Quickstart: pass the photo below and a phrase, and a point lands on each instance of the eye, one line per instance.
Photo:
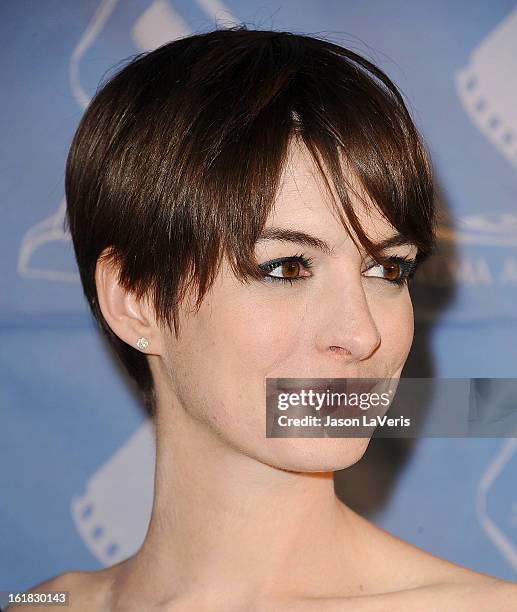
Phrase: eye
(394, 270)
(397, 270)
(287, 269)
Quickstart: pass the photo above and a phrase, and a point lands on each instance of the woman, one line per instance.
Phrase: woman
(248, 205)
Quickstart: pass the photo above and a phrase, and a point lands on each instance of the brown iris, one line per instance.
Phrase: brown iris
(392, 271)
(290, 267)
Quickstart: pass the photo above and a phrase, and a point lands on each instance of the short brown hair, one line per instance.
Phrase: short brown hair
(177, 161)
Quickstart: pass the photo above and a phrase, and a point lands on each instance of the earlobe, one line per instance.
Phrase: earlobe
(127, 317)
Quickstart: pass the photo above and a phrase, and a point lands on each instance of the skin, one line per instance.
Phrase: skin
(244, 522)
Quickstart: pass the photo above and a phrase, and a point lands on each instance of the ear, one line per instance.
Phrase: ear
(129, 318)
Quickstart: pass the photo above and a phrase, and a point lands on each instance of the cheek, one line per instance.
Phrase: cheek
(225, 352)
(254, 334)
(238, 341)
(234, 341)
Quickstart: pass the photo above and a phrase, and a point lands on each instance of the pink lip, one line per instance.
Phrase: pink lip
(308, 388)
(355, 386)
(348, 386)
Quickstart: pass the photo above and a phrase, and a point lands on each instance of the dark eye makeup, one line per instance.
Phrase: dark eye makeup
(403, 267)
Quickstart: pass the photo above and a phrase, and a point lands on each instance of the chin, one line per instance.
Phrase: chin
(314, 454)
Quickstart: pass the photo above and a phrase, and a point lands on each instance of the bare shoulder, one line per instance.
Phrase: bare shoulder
(504, 594)
(455, 586)
(417, 573)
(425, 569)
(481, 595)
(86, 590)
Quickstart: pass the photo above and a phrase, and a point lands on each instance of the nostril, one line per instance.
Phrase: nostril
(340, 349)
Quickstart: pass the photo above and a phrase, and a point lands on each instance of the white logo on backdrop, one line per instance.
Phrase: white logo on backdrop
(488, 91)
(499, 230)
(487, 87)
(502, 533)
(113, 513)
(469, 268)
(158, 24)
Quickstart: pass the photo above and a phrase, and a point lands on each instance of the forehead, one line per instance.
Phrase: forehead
(303, 201)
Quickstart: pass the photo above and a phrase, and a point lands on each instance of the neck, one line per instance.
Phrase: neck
(227, 527)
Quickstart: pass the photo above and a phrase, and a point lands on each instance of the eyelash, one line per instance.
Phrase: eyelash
(407, 265)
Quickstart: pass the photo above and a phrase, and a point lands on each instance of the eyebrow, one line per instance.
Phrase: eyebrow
(299, 237)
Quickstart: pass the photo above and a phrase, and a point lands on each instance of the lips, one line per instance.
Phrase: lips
(355, 390)
(307, 388)
(337, 385)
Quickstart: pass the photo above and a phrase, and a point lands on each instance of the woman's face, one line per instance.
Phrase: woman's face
(244, 333)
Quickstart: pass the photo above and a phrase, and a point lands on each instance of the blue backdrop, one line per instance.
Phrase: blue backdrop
(77, 453)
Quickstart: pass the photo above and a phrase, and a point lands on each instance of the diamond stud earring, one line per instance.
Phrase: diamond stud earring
(142, 343)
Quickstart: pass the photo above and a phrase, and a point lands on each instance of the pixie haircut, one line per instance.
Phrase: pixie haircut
(178, 158)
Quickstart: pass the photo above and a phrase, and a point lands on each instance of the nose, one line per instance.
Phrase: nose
(348, 331)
